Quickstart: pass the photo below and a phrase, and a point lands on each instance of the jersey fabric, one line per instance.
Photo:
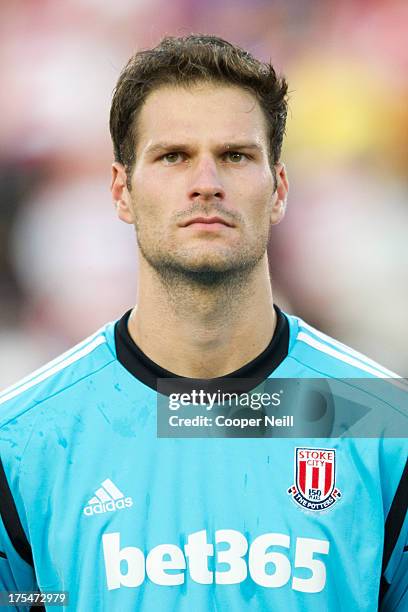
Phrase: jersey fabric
(95, 504)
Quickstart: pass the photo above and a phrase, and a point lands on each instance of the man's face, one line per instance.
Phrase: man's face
(203, 193)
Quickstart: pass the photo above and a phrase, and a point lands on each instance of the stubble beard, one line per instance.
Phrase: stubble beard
(180, 269)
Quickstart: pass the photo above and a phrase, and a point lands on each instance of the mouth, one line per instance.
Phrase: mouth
(216, 221)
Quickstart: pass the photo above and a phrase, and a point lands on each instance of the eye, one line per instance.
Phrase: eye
(235, 156)
(172, 157)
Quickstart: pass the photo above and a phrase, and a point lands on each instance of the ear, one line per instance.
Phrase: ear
(280, 195)
(120, 193)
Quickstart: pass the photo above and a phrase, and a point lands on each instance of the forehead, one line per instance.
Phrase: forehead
(203, 112)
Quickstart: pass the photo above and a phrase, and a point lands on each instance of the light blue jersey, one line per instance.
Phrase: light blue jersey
(95, 504)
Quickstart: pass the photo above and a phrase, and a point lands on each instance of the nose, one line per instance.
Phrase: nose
(205, 182)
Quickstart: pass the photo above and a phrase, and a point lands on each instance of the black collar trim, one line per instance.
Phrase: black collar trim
(252, 373)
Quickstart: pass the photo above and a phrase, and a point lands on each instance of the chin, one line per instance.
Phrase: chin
(203, 266)
(215, 265)
(212, 272)
(208, 258)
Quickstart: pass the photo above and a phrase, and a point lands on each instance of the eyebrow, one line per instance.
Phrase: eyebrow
(172, 146)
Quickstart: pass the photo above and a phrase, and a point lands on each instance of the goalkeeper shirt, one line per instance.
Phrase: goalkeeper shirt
(95, 504)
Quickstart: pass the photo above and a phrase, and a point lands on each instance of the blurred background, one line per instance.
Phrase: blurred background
(339, 259)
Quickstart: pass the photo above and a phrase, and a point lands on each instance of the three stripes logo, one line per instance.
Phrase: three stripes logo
(108, 498)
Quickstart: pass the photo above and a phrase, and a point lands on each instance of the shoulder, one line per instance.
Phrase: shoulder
(330, 357)
(60, 374)
(367, 395)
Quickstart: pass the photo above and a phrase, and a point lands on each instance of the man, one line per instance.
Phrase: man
(94, 502)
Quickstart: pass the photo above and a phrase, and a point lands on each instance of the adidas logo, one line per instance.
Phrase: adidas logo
(108, 498)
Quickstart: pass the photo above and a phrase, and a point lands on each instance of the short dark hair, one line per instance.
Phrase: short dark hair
(186, 60)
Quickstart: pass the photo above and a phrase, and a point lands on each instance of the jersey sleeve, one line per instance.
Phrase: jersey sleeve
(16, 563)
(15, 574)
(394, 583)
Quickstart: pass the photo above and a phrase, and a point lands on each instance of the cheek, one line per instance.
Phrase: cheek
(146, 204)
(151, 216)
(261, 213)
(259, 187)
(263, 200)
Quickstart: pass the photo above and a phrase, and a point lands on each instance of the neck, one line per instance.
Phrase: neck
(203, 331)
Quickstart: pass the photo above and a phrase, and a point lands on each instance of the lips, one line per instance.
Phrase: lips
(207, 220)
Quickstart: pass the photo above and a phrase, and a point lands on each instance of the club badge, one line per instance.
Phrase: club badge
(315, 478)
